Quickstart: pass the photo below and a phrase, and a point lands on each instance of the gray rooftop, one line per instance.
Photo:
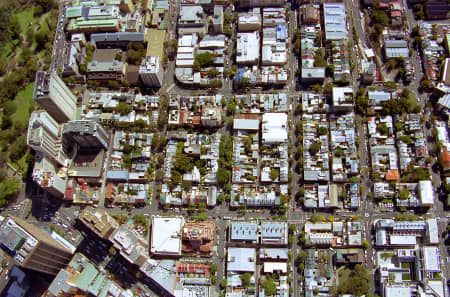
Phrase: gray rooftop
(241, 260)
(117, 37)
(244, 231)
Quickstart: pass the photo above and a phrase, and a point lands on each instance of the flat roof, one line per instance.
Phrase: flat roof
(403, 239)
(155, 43)
(245, 124)
(334, 20)
(166, 235)
(431, 259)
(244, 231)
(426, 192)
(271, 267)
(274, 126)
(241, 260)
(397, 291)
(433, 231)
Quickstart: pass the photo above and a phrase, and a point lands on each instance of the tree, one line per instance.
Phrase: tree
(202, 216)
(365, 244)
(223, 176)
(404, 194)
(391, 85)
(123, 108)
(213, 268)
(301, 257)
(215, 84)
(269, 286)
(204, 59)
(380, 17)
(418, 11)
(292, 228)
(355, 282)
(213, 279)
(314, 148)
(322, 130)
(223, 283)
(245, 279)
(314, 218)
(274, 173)
(328, 89)
(18, 148)
(9, 107)
(8, 189)
(113, 84)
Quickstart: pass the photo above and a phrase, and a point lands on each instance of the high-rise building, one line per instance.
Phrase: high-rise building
(48, 176)
(85, 133)
(151, 72)
(81, 277)
(52, 94)
(44, 135)
(32, 247)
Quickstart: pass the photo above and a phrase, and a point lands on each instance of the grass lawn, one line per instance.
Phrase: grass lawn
(23, 101)
(26, 18)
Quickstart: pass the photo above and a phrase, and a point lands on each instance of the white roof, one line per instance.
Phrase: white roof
(274, 126)
(431, 259)
(334, 20)
(241, 260)
(247, 47)
(271, 267)
(166, 235)
(397, 292)
(433, 231)
(426, 192)
(403, 240)
(245, 124)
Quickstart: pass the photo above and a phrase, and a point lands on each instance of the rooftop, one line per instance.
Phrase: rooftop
(166, 236)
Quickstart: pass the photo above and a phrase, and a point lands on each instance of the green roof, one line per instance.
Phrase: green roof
(73, 12)
(86, 276)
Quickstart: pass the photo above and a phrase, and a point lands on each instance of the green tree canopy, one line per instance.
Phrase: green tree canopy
(269, 286)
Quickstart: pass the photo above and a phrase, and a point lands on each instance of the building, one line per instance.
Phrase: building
(131, 245)
(396, 49)
(198, 238)
(81, 277)
(112, 70)
(250, 21)
(274, 128)
(52, 94)
(218, 19)
(151, 72)
(211, 116)
(241, 260)
(99, 221)
(274, 233)
(32, 247)
(44, 135)
(247, 48)
(261, 3)
(48, 176)
(309, 14)
(244, 232)
(191, 20)
(334, 21)
(166, 236)
(343, 98)
(87, 134)
(426, 193)
(93, 18)
(116, 39)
